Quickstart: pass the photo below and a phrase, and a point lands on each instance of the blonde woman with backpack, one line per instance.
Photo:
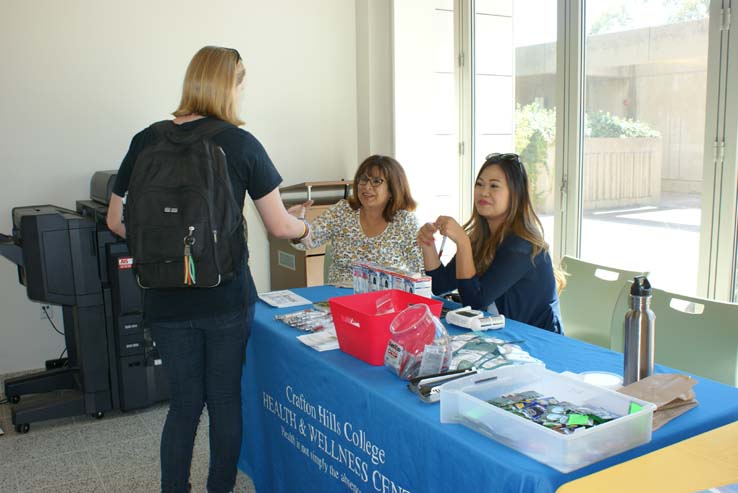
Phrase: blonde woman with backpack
(201, 332)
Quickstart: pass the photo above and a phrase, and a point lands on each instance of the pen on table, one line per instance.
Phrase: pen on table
(443, 244)
(488, 379)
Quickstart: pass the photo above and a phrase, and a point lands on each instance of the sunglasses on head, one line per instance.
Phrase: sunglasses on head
(235, 52)
(497, 157)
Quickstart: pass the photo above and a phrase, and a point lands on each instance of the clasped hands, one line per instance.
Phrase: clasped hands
(446, 226)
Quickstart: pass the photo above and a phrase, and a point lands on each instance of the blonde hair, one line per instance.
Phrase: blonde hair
(521, 220)
(210, 82)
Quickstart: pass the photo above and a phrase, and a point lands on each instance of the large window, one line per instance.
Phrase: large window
(426, 105)
(468, 85)
(623, 112)
(514, 91)
(644, 128)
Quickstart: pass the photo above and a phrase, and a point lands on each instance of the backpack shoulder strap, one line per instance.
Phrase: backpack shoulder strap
(212, 126)
(162, 128)
(174, 133)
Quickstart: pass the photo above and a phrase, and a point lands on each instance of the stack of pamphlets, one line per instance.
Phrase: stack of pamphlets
(283, 299)
(325, 340)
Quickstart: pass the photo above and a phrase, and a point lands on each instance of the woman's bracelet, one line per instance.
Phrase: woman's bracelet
(305, 231)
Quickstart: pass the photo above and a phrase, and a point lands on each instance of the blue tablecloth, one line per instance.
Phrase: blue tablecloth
(327, 422)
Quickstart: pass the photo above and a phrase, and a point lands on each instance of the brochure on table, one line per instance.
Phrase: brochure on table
(283, 299)
(324, 340)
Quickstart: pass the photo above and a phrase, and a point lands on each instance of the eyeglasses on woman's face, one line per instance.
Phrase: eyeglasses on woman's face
(374, 181)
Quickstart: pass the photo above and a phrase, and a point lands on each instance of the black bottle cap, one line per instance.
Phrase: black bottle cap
(640, 287)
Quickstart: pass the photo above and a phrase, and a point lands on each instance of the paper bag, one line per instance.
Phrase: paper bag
(672, 394)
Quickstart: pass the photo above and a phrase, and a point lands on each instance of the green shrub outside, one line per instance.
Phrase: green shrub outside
(535, 131)
(602, 124)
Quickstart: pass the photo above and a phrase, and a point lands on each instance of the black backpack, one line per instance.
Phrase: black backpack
(183, 225)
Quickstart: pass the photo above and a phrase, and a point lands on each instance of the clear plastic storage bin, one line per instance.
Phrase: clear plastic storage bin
(464, 401)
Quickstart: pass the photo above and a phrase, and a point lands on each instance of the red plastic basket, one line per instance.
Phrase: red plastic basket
(364, 334)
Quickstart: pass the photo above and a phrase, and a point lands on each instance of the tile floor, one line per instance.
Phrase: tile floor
(119, 453)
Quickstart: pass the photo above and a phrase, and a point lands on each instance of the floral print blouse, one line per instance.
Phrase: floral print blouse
(340, 225)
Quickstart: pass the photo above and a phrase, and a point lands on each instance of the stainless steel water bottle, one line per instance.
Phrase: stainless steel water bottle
(639, 328)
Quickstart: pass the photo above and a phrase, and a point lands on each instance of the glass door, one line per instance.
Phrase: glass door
(644, 135)
(426, 105)
(514, 91)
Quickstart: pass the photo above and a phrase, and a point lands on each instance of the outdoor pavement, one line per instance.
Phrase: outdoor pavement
(662, 239)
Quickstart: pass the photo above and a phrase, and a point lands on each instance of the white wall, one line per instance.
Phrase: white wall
(374, 73)
(425, 109)
(80, 77)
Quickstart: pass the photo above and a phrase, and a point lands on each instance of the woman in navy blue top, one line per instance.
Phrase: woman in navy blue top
(502, 263)
(201, 334)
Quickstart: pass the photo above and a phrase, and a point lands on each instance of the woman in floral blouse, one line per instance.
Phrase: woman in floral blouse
(375, 224)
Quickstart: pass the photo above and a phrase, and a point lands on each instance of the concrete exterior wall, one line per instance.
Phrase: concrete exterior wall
(657, 75)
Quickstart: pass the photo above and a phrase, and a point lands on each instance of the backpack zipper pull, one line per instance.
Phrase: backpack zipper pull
(189, 241)
(189, 263)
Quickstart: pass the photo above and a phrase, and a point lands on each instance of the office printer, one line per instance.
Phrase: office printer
(70, 258)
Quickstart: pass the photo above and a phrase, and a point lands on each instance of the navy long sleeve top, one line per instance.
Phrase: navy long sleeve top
(522, 289)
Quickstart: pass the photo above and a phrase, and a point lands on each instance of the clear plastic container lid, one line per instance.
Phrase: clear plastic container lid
(602, 379)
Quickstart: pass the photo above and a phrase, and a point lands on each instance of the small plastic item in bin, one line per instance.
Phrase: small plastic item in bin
(418, 344)
(384, 305)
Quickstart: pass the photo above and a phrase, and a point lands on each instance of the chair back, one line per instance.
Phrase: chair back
(617, 326)
(695, 335)
(327, 261)
(590, 296)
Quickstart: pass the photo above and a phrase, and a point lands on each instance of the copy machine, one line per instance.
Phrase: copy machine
(70, 258)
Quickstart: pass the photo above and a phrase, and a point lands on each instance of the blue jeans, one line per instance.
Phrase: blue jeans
(203, 359)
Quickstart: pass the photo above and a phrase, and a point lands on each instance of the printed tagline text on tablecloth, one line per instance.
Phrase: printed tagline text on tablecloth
(335, 446)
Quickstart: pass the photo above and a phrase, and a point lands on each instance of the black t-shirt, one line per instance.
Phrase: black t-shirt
(251, 170)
